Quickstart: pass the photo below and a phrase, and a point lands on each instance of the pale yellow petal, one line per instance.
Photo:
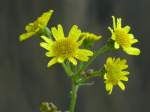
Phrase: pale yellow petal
(105, 76)
(61, 59)
(29, 27)
(124, 78)
(56, 34)
(85, 52)
(133, 41)
(45, 45)
(25, 36)
(117, 46)
(127, 29)
(74, 33)
(131, 36)
(119, 24)
(46, 39)
(114, 22)
(125, 73)
(73, 61)
(50, 54)
(109, 87)
(52, 62)
(132, 51)
(80, 56)
(110, 29)
(109, 60)
(121, 85)
(113, 37)
(44, 19)
(60, 30)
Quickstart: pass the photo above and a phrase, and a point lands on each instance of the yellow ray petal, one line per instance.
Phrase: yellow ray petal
(121, 85)
(74, 33)
(45, 45)
(73, 61)
(46, 39)
(132, 51)
(52, 62)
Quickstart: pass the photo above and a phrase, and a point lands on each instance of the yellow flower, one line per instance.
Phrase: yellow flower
(115, 73)
(36, 26)
(63, 48)
(123, 38)
(90, 36)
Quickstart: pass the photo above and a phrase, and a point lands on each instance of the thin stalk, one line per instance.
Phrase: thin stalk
(98, 73)
(67, 69)
(73, 93)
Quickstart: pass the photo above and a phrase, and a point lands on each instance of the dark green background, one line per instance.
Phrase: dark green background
(24, 79)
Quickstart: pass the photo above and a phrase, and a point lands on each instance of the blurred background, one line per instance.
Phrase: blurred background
(25, 81)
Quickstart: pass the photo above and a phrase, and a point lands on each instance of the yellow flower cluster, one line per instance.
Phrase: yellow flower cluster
(63, 48)
(115, 73)
(123, 38)
(36, 26)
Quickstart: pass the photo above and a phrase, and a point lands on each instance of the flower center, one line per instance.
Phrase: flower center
(122, 38)
(113, 75)
(65, 47)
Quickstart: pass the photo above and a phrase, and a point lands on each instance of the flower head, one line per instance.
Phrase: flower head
(48, 107)
(122, 37)
(115, 73)
(89, 39)
(36, 26)
(63, 48)
(90, 36)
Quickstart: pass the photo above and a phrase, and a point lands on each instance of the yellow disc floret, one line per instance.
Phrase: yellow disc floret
(63, 48)
(123, 38)
(36, 26)
(115, 73)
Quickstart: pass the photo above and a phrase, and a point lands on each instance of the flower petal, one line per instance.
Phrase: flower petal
(45, 46)
(57, 33)
(25, 36)
(111, 30)
(82, 54)
(46, 16)
(117, 46)
(74, 33)
(132, 51)
(46, 39)
(60, 30)
(49, 54)
(85, 52)
(127, 29)
(133, 41)
(61, 59)
(125, 73)
(124, 78)
(109, 87)
(121, 85)
(52, 62)
(114, 22)
(73, 61)
(119, 24)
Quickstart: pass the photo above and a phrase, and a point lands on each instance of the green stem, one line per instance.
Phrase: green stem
(67, 69)
(73, 93)
(98, 73)
(99, 52)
